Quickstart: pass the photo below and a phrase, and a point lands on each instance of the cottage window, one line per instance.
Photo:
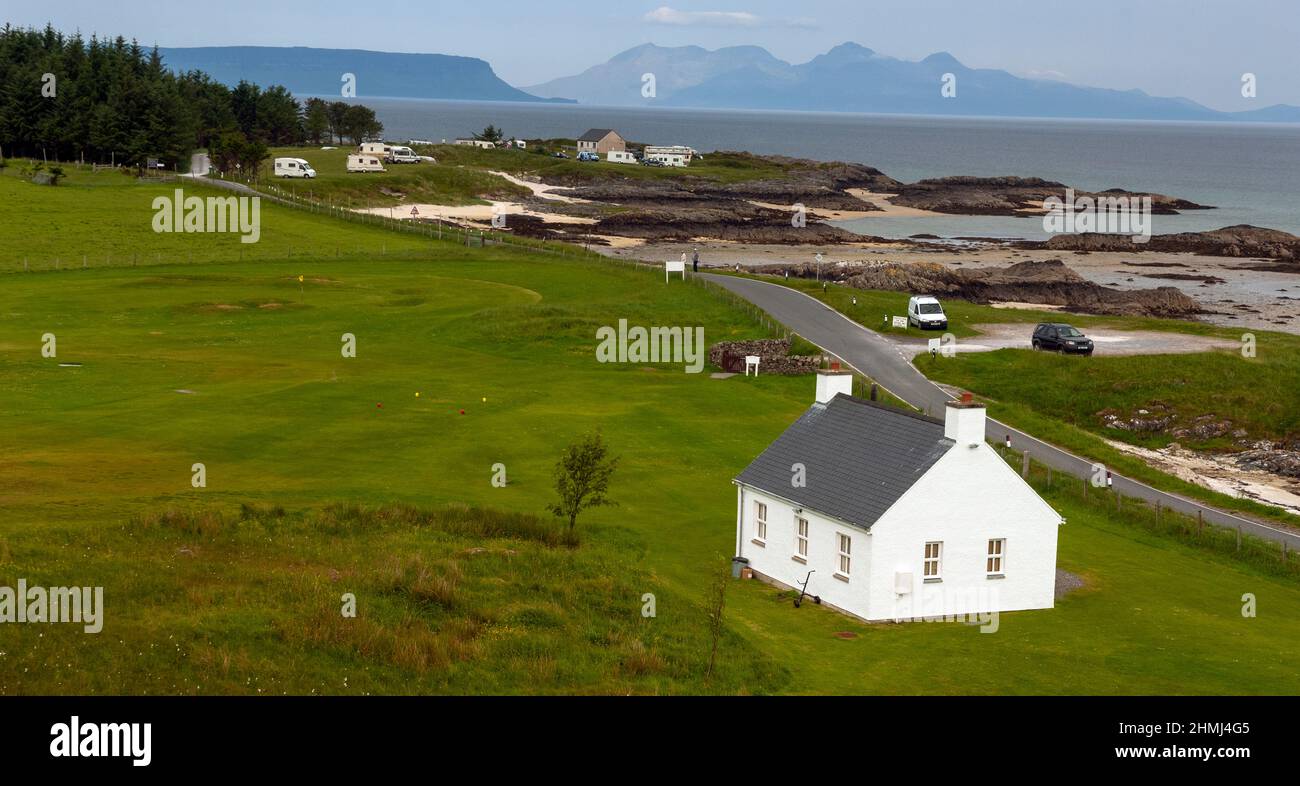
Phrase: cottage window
(760, 521)
(933, 559)
(997, 548)
(801, 536)
(846, 546)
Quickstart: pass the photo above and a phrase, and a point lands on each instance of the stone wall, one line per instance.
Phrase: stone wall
(775, 354)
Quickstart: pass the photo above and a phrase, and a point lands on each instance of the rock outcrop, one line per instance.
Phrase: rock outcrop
(1046, 282)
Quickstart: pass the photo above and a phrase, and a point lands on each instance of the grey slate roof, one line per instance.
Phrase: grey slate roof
(595, 134)
(860, 458)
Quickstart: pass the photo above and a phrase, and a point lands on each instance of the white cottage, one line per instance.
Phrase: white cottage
(890, 515)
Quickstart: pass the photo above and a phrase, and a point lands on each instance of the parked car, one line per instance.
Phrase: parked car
(651, 162)
(587, 155)
(925, 312)
(1061, 338)
(560, 154)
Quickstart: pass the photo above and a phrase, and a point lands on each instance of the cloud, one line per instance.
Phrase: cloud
(665, 15)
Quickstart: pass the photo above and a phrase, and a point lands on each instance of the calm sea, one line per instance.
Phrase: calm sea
(1250, 172)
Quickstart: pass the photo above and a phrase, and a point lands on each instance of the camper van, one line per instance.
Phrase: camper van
(401, 155)
(293, 167)
(365, 162)
(374, 149)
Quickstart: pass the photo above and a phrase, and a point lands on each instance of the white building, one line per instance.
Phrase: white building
(890, 515)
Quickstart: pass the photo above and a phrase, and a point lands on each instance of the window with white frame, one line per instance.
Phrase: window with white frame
(933, 559)
(760, 521)
(801, 536)
(997, 552)
(846, 548)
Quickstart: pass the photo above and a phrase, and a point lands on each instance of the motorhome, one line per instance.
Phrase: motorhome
(293, 167)
(620, 157)
(365, 162)
(401, 155)
(667, 159)
(670, 154)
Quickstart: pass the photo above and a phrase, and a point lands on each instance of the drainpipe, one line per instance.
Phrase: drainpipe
(740, 520)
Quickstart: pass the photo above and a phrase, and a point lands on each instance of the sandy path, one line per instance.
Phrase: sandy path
(1108, 342)
(476, 213)
(542, 190)
(1219, 473)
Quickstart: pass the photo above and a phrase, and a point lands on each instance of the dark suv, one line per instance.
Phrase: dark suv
(1062, 338)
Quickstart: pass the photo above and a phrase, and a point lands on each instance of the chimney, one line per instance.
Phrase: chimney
(963, 421)
(833, 381)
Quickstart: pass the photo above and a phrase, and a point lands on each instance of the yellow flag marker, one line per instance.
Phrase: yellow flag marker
(300, 279)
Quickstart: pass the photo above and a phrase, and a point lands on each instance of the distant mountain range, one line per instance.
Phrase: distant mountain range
(309, 71)
(853, 78)
(848, 78)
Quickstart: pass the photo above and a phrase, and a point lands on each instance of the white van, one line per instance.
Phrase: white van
(925, 312)
(358, 162)
(293, 167)
(401, 155)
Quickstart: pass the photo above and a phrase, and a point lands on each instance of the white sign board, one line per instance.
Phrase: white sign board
(900, 322)
(935, 345)
(674, 266)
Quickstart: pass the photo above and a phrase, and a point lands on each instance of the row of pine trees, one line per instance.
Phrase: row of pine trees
(63, 98)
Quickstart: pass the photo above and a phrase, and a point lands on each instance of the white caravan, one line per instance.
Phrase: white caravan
(620, 157)
(359, 162)
(293, 167)
(374, 149)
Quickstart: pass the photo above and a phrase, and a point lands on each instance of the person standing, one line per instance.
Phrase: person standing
(695, 261)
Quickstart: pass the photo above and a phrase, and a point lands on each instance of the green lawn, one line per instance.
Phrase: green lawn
(237, 365)
(426, 182)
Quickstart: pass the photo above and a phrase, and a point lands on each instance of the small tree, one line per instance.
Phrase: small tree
(582, 477)
(714, 602)
(490, 134)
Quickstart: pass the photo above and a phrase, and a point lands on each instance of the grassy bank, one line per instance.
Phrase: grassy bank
(238, 366)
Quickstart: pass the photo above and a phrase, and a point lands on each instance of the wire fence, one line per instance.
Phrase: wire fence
(1270, 556)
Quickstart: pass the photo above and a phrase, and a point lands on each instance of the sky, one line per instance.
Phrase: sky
(1197, 49)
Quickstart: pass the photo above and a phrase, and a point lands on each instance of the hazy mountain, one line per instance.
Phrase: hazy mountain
(308, 71)
(852, 78)
(618, 82)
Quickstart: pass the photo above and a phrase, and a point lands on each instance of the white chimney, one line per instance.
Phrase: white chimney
(963, 421)
(833, 381)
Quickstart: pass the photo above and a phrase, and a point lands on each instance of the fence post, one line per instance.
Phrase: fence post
(1200, 521)
(1238, 537)
(1024, 465)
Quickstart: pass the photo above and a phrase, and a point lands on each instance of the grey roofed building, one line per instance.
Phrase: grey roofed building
(595, 134)
(860, 457)
(601, 141)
